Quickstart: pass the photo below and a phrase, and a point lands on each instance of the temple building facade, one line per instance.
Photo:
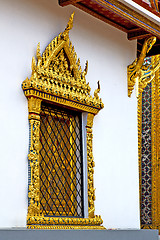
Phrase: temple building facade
(79, 114)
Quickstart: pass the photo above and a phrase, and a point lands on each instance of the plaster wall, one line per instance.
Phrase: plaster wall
(24, 23)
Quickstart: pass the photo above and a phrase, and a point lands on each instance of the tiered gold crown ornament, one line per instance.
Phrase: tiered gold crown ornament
(57, 79)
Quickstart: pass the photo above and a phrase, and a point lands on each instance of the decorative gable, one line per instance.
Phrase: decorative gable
(57, 72)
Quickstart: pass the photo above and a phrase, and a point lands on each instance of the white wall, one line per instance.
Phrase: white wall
(24, 23)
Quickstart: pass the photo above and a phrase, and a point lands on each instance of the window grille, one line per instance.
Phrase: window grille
(61, 174)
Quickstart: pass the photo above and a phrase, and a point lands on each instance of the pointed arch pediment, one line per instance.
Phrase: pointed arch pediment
(58, 73)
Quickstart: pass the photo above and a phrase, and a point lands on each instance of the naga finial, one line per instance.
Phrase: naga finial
(97, 91)
(86, 67)
(69, 26)
(84, 73)
(145, 49)
(134, 69)
(70, 22)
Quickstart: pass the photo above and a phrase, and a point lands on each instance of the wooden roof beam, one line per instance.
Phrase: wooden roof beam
(67, 2)
(137, 33)
(99, 16)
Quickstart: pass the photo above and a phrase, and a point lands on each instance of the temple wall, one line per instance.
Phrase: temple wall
(23, 24)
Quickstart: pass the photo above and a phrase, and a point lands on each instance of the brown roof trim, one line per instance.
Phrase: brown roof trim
(122, 11)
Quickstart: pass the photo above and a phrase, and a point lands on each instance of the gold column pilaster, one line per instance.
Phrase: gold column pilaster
(158, 139)
(91, 164)
(156, 144)
(34, 107)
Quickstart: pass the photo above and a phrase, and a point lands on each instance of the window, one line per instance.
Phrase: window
(61, 191)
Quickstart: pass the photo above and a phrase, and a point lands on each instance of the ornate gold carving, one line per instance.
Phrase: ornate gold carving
(91, 164)
(57, 78)
(58, 73)
(90, 118)
(138, 73)
(33, 157)
(139, 120)
(52, 221)
(65, 227)
(155, 135)
(62, 101)
(155, 131)
(34, 107)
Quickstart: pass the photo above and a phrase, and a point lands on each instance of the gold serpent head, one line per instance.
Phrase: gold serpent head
(134, 70)
(150, 42)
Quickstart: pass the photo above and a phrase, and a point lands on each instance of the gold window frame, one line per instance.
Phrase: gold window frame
(57, 78)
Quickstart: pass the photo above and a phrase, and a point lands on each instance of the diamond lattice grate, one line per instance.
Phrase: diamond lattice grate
(60, 154)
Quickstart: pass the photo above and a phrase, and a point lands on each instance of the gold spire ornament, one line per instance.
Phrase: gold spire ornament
(57, 78)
